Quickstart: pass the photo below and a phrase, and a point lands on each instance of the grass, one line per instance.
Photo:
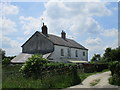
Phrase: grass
(94, 82)
(13, 79)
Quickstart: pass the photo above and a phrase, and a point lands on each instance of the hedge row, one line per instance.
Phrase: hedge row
(89, 68)
(36, 66)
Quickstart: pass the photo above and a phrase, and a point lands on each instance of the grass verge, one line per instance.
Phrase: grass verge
(94, 82)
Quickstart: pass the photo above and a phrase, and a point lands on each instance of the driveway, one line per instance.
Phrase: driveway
(103, 83)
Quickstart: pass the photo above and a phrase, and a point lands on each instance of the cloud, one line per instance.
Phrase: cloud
(8, 9)
(12, 47)
(30, 24)
(110, 32)
(93, 41)
(8, 26)
(69, 9)
(76, 18)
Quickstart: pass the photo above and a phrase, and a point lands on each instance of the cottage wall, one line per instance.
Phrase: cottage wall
(38, 44)
(57, 53)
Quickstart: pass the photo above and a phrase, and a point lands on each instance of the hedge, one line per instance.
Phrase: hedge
(89, 68)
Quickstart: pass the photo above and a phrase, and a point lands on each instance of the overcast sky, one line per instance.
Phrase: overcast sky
(92, 24)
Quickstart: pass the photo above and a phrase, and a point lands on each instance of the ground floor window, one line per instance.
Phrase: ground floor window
(62, 52)
(76, 53)
(83, 53)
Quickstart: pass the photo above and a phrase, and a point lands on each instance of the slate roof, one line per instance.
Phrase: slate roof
(60, 41)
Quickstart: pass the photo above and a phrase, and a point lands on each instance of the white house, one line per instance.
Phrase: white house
(52, 47)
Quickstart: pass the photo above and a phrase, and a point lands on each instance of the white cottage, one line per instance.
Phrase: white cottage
(52, 47)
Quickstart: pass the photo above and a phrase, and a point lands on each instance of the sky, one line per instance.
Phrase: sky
(92, 24)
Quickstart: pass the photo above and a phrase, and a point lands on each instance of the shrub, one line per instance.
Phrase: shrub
(6, 61)
(75, 77)
(115, 71)
(33, 66)
(115, 80)
(114, 67)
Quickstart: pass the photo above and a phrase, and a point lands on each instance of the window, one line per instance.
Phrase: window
(76, 53)
(83, 53)
(62, 52)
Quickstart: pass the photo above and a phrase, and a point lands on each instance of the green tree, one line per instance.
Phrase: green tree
(96, 58)
(107, 55)
(111, 55)
(2, 53)
(115, 54)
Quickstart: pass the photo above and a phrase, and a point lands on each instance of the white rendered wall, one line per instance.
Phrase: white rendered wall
(80, 54)
(57, 53)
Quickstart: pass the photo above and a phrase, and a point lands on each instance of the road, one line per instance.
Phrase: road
(103, 83)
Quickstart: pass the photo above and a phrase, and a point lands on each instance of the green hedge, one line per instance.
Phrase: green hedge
(39, 68)
(89, 68)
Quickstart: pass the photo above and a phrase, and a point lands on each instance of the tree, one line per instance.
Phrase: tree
(111, 55)
(115, 54)
(107, 55)
(96, 58)
(2, 53)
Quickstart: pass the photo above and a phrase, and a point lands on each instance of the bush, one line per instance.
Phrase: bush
(33, 66)
(6, 61)
(75, 77)
(115, 80)
(114, 67)
(115, 71)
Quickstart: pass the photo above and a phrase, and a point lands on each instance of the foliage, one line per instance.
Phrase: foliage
(111, 54)
(107, 55)
(95, 67)
(114, 67)
(115, 80)
(33, 66)
(96, 58)
(75, 77)
(115, 54)
(13, 79)
(2, 53)
(115, 71)
(6, 61)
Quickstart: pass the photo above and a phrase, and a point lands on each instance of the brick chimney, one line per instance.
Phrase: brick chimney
(63, 35)
(44, 30)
